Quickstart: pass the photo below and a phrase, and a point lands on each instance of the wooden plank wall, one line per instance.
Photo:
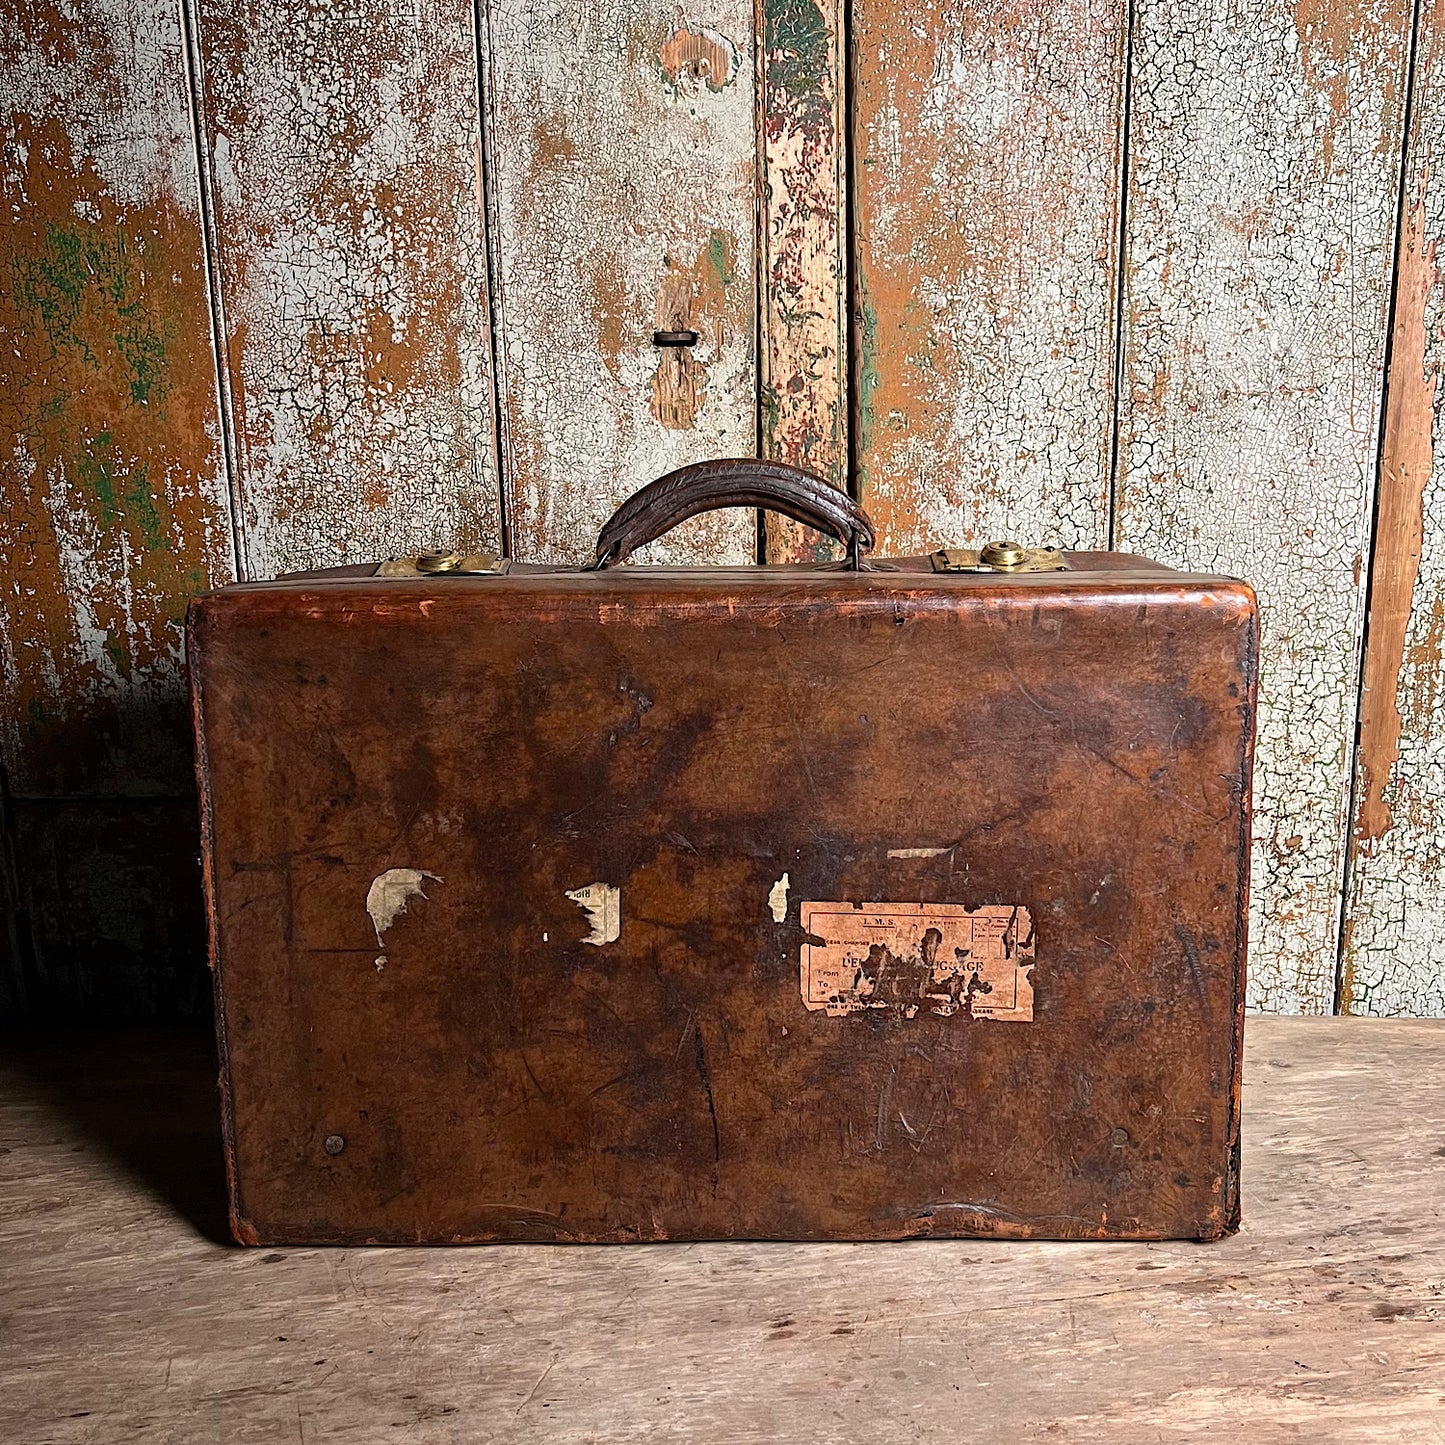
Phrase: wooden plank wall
(115, 505)
(803, 269)
(1394, 943)
(621, 154)
(987, 143)
(341, 165)
(1264, 153)
(1098, 271)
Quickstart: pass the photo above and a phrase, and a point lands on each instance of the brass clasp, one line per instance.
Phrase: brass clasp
(445, 564)
(999, 557)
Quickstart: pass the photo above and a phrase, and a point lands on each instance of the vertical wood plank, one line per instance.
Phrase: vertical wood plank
(344, 151)
(803, 361)
(986, 153)
(114, 503)
(622, 162)
(1394, 945)
(1263, 165)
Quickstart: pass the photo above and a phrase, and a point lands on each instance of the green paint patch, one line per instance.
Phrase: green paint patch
(117, 653)
(769, 416)
(719, 257)
(93, 470)
(144, 350)
(798, 46)
(53, 285)
(867, 378)
(92, 303)
(122, 496)
(140, 502)
(86, 287)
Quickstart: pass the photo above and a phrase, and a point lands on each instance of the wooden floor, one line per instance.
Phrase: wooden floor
(125, 1316)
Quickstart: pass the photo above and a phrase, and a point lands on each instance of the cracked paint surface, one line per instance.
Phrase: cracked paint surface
(346, 168)
(1263, 172)
(114, 505)
(987, 149)
(621, 169)
(1394, 945)
(699, 57)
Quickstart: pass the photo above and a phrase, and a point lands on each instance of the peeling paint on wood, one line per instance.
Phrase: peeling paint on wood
(679, 379)
(803, 369)
(620, 156)
(986, 143)
(701, 56)
(1407, 462)
(1394, 946)
(1263, 169)
(346, 176)
(344, 152)
(114, 508)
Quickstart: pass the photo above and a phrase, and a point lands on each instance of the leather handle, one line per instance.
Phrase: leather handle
(734, 482)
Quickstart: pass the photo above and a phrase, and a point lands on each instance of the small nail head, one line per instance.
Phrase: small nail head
(334, 1144)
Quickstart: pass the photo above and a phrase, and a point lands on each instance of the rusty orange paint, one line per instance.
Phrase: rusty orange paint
(115, 508)
(345, 179)
(690, 298)
(1426, 660)
(986, 166)
(648, 215)
(1407, 461)
(702, 56)
(679, 383)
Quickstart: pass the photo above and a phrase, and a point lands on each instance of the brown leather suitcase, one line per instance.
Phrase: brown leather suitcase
(854, 901)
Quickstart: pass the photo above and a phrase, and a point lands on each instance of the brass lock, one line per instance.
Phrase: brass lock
(999, 557)
(445, 564)
(1003, 554)
(439, 562)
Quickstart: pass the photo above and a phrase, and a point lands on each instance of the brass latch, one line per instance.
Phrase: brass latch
(999, 557)
(445, 564)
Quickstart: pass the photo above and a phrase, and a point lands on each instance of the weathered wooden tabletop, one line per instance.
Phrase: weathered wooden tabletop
(125, 1316)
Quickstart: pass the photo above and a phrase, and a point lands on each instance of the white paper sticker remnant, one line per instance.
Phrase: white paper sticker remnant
(602, 903)
(909, 957)
(388, 895)
(778, 899)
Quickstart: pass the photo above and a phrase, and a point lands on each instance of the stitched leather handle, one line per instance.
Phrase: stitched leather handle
(734, 482)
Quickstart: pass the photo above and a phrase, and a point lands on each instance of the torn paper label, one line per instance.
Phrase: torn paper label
(778, 899)
(918, 852)
(602, 904)
(389, 893)
(908, 958)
